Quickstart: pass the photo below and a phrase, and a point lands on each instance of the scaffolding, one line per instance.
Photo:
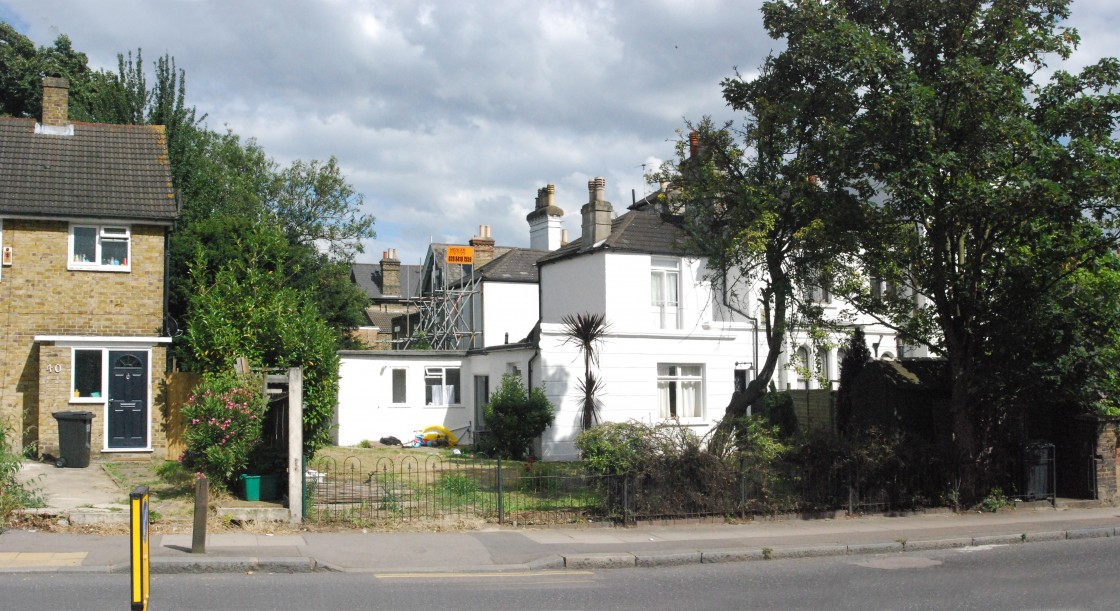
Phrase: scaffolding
(446, 307)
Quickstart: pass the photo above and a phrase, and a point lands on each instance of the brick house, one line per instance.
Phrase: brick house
(392, 290)
(85, 212)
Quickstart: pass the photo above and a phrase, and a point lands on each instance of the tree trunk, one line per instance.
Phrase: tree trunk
(962, 413)
(775, 334)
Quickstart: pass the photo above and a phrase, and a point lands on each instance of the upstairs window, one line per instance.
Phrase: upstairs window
(665, 280)
(100, 247)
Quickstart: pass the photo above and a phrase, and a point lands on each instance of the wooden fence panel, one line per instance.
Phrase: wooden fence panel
(815, 409)
(178, 385)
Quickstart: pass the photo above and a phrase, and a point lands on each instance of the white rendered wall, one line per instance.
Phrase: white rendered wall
(508, 307)
(365, 393)
(572, 286)
(628, 366)
(366, 409)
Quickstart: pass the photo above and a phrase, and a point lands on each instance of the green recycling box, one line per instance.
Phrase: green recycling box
(260, 487)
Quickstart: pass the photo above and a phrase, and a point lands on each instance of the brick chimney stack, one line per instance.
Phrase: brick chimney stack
(56, 94)
(390, 273)
(693, 144)
(483, 246)
(544, 221)
(596, 213)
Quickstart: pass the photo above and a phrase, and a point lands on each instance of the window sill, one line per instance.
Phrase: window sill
(685, 422)
(459, 405)
(88, 400)
(79, 267)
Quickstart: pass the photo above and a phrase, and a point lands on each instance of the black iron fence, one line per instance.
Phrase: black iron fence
(437, 488)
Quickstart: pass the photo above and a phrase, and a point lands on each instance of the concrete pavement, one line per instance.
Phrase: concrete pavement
(526, 549)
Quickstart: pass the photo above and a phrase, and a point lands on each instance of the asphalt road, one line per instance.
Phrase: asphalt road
(1059, 575)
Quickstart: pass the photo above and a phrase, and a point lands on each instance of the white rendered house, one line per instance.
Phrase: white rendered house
(675, 352)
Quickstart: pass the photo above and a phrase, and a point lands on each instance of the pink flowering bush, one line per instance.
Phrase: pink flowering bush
(224, 417)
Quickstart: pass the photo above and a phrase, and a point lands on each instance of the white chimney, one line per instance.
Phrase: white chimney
(544, 221)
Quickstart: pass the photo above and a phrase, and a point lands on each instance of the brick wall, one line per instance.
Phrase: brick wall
(39, 296)
(1086, 447)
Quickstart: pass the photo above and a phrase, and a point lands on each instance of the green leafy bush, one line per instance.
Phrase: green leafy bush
(617, 447)
(515, 418)
(13, 493)
(777, 408)
(224, 416)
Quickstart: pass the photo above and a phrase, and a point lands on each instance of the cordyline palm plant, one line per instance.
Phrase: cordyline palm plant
(586, 331)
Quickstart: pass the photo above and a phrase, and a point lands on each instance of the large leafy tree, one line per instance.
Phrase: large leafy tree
(246, 309)
(980, 172)
(319, 208)
(766, 204)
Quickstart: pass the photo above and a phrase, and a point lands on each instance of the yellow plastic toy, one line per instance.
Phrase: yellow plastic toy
(437, 435)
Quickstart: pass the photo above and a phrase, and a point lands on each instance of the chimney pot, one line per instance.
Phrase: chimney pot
(693, 144)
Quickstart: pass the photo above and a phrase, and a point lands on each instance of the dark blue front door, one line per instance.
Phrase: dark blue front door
(128, 399)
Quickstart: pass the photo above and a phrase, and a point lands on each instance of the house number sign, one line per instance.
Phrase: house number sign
(54, 368)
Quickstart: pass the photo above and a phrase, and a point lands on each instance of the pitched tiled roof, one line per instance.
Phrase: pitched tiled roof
(643, 230)
(381, 320)
(101, 171)
(368, 278)
(517, 265)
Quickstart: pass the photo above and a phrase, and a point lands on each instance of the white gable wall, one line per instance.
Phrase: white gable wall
(572, 286)
(508, 308)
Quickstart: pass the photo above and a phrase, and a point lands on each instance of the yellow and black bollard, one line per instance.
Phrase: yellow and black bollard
(141, 576)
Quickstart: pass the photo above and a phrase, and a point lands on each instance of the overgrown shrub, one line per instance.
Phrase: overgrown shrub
(758, 454)
(660, 469)
(616, 447)
(224, 415)
(13, 493)
(514, 418)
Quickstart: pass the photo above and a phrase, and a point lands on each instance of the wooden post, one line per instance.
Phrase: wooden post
(201, 511)
(295, 445)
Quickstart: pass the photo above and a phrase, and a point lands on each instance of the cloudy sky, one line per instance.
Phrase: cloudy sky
(449, 114)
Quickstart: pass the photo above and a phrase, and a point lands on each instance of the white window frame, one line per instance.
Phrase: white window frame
(440, 371)
(665, 292)
(393, 387)
(672, 381)
(103, 233)
(1, 247)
